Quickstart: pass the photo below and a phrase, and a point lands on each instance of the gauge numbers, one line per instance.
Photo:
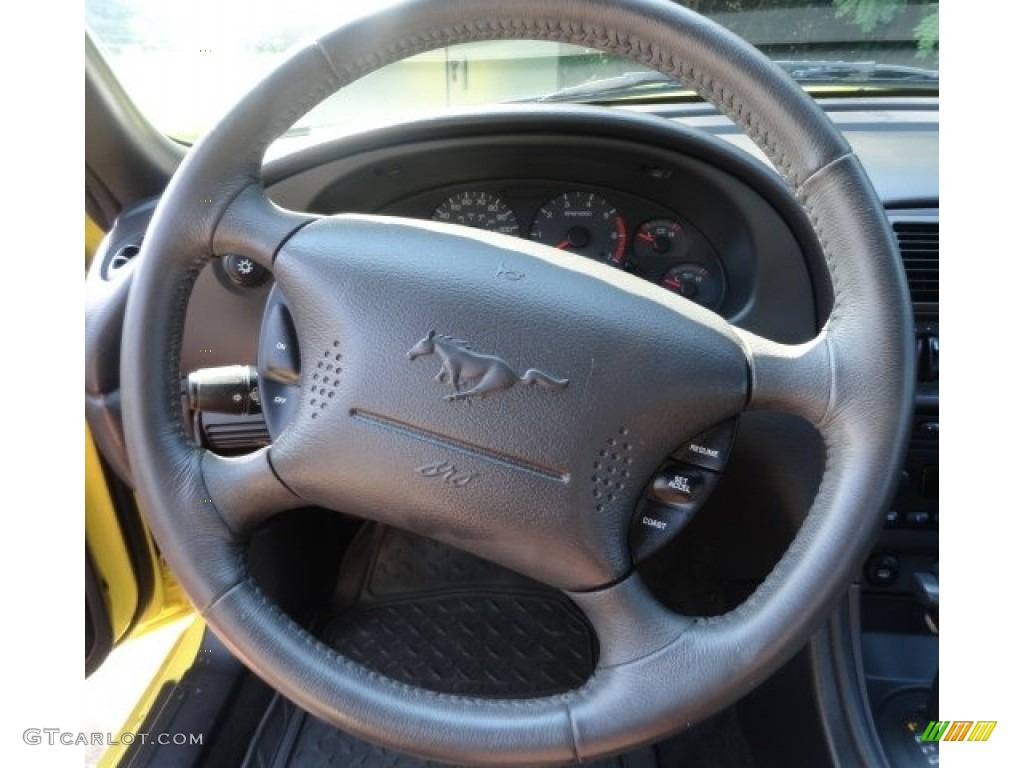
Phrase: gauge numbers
(584, 223)
(695, 282)
(480, 210)
(659, 237)
(581, 221)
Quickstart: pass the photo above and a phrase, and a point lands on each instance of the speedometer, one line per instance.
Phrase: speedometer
(480, 210)
(584, 223)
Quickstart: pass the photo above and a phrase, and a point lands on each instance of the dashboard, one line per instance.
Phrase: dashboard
(638, 194)
(677, 197)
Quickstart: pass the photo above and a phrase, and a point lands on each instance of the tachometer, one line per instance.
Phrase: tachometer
(480, 210)
(584, 223)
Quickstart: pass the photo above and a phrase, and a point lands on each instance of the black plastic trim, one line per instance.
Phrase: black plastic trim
(927, 397)
(126, 158)
(98, 635)
(195, 704)
(840, 694)
(136, 538)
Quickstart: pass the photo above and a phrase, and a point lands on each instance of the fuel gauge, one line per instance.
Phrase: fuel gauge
(660, 238)
(695, 282)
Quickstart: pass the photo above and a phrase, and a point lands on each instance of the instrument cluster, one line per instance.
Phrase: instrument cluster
(621, 230)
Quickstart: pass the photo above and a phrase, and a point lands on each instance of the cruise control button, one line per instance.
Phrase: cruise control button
(280, 402)
(654, 526)
(679, 485)
(280, 351)
(709, 449)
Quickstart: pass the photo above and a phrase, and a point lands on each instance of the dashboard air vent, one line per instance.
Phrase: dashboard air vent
(919, 247)
(122, 257)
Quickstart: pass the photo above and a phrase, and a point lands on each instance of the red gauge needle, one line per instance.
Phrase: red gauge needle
(645, 236)
(562, 245)
(673, 283)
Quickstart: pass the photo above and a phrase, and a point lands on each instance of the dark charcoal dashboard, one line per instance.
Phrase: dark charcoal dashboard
(668, 201)
(668, 207)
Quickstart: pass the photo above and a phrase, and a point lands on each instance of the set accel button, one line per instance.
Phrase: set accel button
(678, 489)
(679, 485)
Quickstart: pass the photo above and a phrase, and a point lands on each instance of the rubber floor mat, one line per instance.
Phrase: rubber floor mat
(437, 618)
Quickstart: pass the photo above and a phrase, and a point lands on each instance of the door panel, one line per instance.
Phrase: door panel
(116, 584)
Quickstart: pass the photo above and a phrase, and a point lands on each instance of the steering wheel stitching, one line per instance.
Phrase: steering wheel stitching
(368, 414)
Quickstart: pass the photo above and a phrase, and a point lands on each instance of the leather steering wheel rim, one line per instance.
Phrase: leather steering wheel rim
(657, 672)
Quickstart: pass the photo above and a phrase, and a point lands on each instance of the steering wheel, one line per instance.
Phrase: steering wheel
(369, 417)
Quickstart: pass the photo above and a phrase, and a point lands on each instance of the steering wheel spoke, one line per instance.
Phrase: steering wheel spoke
(793, 378)
(629, 622)
(253, 227)
(244, 490)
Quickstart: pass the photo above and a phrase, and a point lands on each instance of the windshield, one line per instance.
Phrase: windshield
(185, 62)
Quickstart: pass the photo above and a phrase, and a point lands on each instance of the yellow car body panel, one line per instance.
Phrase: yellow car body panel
(93, 238)
(105, 539)
(105, 542)
(174, 666)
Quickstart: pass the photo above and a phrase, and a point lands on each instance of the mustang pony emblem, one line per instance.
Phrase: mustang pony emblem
(460, 366)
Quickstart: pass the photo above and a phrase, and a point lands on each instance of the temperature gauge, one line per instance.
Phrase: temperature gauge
(695, 282)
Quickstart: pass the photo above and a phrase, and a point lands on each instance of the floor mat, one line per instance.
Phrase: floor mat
(438, 618)
(435, 617)
(431, 616)
(291, 738)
